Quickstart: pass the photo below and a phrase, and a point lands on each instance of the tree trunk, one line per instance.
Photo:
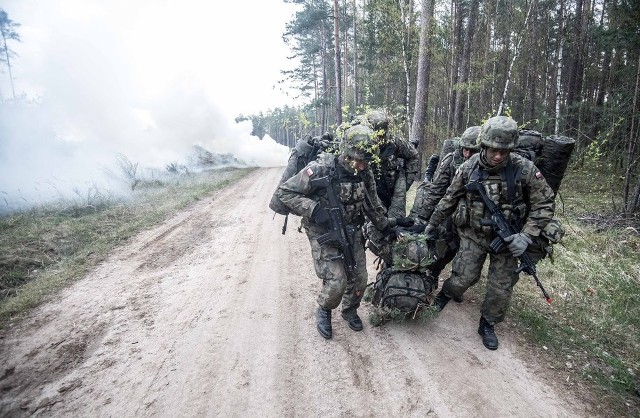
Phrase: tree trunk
(576, 68)
(354, 52)
(325, 80)
(513, 59)
(338, 62)
(465, 66)
(421, 116)
(630, 204)
(456, 43)
(6, 52)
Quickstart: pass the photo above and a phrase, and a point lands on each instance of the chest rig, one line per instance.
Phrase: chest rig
(506, 191)
(351, 192)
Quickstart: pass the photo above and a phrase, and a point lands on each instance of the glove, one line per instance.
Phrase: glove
(416, 229)
(404, 221)
(431, 231)
(320, 215)
(518, 243)
(390, 233)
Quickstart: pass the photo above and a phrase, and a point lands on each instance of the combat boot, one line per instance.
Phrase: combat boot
(489, 337)
(354, 321)
(441, 301)
(433, 280)
(323, 322)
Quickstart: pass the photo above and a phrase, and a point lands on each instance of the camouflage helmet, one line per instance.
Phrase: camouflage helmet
(377, 119)
(469, 138)
(358, 142)
(499, 132)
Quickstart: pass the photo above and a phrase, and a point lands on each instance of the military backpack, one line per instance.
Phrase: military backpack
(305, 151)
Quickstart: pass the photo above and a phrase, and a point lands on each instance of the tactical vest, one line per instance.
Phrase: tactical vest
(504, 188)
(351, 191)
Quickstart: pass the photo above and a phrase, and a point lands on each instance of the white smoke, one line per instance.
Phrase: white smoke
(142, 79)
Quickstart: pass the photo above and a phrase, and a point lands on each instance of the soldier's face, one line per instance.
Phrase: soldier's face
(358, 165)
(467, 153)
(496, 156)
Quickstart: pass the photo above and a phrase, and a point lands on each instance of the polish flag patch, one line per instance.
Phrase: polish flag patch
(309, 171)
(538, 175)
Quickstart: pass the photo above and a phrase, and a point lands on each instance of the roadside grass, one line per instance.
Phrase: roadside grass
(44, 249)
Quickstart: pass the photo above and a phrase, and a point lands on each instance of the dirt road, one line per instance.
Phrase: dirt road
(211, 314)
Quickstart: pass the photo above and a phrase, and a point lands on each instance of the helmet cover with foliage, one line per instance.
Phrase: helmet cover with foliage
(469, 138)
(377, 119)
(499, 132)
(358, 143)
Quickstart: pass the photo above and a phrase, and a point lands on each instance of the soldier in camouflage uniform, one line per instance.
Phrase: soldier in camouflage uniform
(352, 182)
(397, 169)
(399, 163)
(518, 187)
(429, 194)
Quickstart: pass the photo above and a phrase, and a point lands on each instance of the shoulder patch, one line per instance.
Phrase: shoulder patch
(539, 175)
(309, 171)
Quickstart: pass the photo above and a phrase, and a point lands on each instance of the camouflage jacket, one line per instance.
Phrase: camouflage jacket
(396, 157)
(357, 192)
(531, 208)
(432, 192)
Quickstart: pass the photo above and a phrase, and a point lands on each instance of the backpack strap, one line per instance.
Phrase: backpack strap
(508, 177)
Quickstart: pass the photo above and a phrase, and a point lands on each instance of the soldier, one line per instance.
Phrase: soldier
(352, 181)
(429, 194)
(397, 169)
(520, 190)
(399, 163)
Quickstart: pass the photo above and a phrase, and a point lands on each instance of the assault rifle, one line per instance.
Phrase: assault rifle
(504, 229)
(340, 233)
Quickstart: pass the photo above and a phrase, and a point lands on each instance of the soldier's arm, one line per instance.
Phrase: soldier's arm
(449, 201)
(297, 191)
(409, 154)
(418, 202)
(373, 207)
(436, 191)
(542, 205)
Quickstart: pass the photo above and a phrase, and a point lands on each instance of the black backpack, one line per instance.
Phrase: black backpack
(550, 154)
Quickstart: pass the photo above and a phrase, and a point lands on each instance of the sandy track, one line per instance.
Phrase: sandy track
(211, 314)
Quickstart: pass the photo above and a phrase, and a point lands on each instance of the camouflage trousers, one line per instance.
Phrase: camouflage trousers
(329, 266)
(467, 267)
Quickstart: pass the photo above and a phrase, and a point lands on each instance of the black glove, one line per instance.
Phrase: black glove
(320, 215)
(403, 221)
(416, 229)
(390, 233)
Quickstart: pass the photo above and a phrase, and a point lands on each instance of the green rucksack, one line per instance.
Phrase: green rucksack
(405, 291)
(413, 252)
(404, 285)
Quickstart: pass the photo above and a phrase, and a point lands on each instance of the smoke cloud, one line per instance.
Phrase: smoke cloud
(139, 79)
